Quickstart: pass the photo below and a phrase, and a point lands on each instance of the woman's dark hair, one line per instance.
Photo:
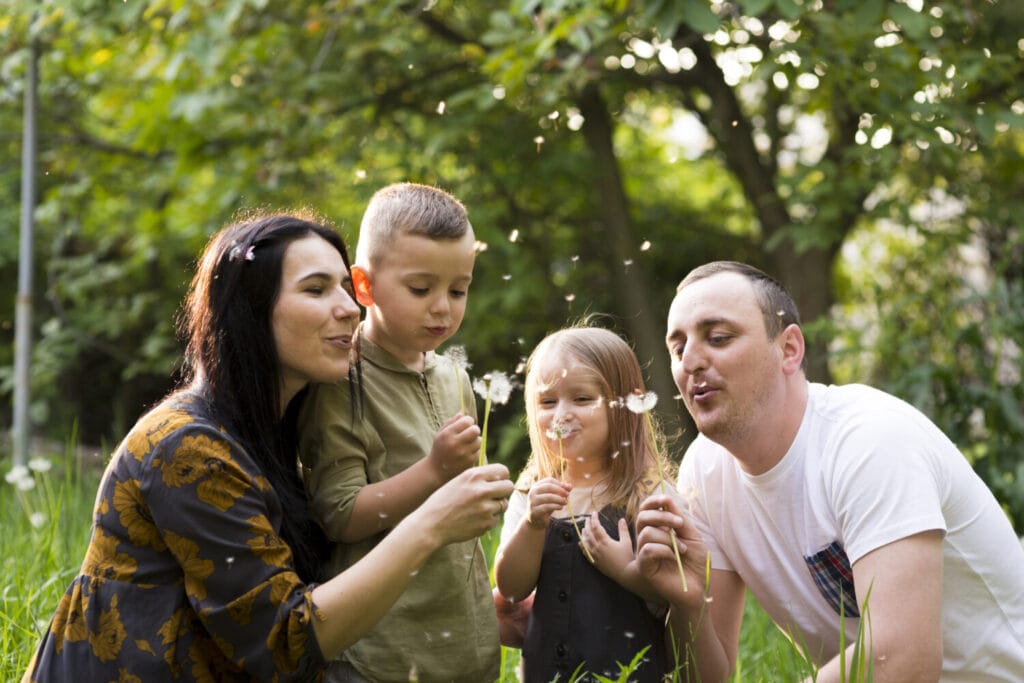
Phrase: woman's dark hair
(231, 360)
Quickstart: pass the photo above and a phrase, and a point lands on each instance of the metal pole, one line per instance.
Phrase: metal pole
(23, 311)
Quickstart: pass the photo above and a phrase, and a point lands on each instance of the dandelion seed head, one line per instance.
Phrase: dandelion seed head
(40, 464)
(26, 484)
(639, 402)
(37, 519)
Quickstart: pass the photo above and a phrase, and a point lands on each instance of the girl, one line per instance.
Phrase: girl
(567, 530)
(203, 554)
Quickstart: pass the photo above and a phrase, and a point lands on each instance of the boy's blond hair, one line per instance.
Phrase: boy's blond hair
(408, 208)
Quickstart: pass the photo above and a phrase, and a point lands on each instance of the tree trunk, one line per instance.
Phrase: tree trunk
(629, 286)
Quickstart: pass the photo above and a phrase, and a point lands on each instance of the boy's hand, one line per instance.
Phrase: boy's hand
(545, 498)
(456, 447)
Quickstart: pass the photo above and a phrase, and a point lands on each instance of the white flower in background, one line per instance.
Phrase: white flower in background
(37, 519)
(17, 474)
(40, 464)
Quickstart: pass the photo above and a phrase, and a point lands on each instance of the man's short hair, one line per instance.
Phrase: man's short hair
(774, 300)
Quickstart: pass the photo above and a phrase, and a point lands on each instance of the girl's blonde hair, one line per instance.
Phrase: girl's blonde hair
(636, 443)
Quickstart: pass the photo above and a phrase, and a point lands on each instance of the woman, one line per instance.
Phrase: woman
(202, 554)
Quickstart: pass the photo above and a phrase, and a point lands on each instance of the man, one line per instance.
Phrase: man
(827, 502)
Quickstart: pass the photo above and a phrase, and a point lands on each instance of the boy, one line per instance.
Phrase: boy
(369, 464)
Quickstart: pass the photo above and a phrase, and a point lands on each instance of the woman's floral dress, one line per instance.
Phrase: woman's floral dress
(186, 577)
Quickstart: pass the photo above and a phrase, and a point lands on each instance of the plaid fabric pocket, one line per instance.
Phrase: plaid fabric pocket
(830, 569)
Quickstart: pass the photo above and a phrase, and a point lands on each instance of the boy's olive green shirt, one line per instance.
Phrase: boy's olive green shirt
(444, 626)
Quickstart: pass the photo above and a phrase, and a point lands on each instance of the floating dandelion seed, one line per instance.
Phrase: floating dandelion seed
(456, 356)
(645, 245)
(553, 115)
(574, 258)
(539, 140)
(506, 277)
(628, 262)
(479, 247)
(514, 235)
(440, 107)
(520, 367)
(640, 402)
(570, 297)
(494, 387)
(780, 313)
(360, 174)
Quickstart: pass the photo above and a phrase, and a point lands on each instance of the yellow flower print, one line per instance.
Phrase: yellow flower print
(68, 623)
(240, 608)
(288, 653)
(107, 641)
(134, 515)
(225, 483)
(262, 484)
(196, 569)
(141, 440)
(125, 677)
(103, 561)
(266, 544)
(190, 460)
(170, 634)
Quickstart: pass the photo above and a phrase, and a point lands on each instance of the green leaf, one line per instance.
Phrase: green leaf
(699, 16)
(914, 24)
(755, 7)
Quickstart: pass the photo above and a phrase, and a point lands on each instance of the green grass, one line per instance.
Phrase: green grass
(37, 562)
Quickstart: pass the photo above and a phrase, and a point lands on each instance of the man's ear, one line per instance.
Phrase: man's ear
(793, 348)
(361, 283)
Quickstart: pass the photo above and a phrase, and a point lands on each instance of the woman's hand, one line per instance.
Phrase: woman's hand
(468, 506)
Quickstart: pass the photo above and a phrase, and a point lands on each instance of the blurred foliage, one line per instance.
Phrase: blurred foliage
(773, 131)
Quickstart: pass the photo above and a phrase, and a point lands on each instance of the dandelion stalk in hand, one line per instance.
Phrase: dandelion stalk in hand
(494, 387)
(556, 433)
(639, 402)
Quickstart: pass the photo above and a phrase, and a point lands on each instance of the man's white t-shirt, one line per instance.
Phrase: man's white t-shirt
(864, 470)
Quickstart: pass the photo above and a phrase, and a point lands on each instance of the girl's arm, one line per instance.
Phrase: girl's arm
(517, 564)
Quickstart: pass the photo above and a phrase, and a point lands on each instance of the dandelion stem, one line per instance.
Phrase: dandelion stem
(483, 433)
(661, 485)
(568, 505)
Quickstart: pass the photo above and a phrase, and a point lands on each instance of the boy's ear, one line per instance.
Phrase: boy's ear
(361, 283)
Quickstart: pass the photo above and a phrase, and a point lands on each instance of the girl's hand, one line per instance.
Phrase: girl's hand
(546, 497)
(611, 556)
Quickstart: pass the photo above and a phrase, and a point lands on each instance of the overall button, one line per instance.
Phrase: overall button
(560, 649)
(566, 536)
(562, 596)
